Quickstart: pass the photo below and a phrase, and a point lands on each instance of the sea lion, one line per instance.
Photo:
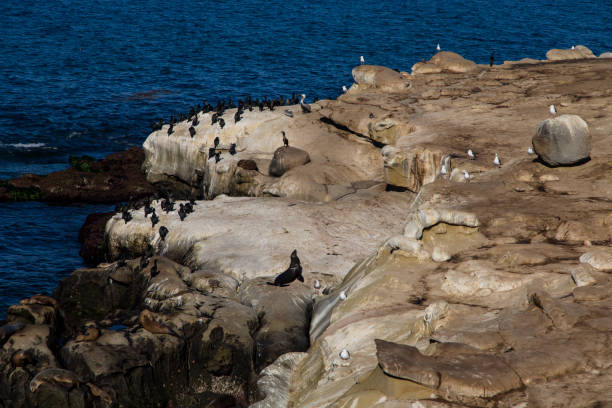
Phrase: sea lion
(91, 333)
(150, 324)
(292, 273)
(55, 376)
(100, 393)
(40, 300)
(22, 358)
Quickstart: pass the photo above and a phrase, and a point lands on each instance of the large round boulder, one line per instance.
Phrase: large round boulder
(285, 158)
(453, 62)
(562, 140)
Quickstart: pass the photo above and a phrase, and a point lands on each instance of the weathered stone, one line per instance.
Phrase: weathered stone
(455, 370)
(562, 140)
(600, 260)
(577, 52)
(275, 381)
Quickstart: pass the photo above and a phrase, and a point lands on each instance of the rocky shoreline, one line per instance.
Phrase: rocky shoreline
(433, 276)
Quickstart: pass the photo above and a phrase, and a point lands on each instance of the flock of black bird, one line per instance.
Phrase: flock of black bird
(220, 108)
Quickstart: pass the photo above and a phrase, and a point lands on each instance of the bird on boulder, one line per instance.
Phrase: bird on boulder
(492, 59)
(292, 273)
(471, 154)
(344, 88)
(216, 141)
(362, 60)
(496, 160)
(232, 149)
(438, 47)
(552, 110)
(285, 140)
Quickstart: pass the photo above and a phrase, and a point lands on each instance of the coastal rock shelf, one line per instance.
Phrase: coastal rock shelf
(432, 277)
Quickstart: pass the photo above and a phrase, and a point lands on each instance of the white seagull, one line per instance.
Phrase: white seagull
(342, 295)
(362, 60)
(344, 88)
(573, 47)
(552, 110)
(471, 155)
(530, 150)
(496, 160)
(317, 284)
(466, 175)
(443, 171)
(344, 354)
(438, 47)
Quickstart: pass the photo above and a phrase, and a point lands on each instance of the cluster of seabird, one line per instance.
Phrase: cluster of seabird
(184, 210)
(220, 108)
(216, 153)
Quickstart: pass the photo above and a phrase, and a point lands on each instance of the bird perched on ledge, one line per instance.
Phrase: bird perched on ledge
(285, 140)
(305, 106)
(362, 60)
(292, 273)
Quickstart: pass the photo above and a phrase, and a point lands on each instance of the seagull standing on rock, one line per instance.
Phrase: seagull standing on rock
(344, 88)
(438, 47)
(552, 110)
(496, 160)
(530, 150)
(466, 176)
(362, 60)
(471, 154)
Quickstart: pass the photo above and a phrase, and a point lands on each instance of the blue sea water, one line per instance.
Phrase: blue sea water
(72, 74)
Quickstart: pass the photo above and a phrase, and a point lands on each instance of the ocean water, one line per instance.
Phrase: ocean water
(89, 77)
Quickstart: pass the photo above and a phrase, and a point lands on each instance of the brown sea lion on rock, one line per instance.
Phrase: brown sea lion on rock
(150, 324)
(40, 300)
(55, 376)
(100, 393)
(91, 333)
(22, 358)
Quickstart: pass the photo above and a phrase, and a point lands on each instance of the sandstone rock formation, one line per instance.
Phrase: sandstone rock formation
(452, 292)
(563, 140)
(576, 52)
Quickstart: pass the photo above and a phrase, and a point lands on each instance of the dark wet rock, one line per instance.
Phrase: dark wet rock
(118, 177)
(91, 236)
(284, 317)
